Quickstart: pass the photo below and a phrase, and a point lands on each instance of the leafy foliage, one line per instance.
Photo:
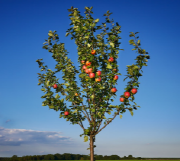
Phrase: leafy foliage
(97, 94)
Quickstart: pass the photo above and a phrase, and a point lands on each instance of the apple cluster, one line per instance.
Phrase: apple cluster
(92, 75)
(127, 94)
(90, 70)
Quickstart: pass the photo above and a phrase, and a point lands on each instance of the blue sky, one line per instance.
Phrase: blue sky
(28, 128)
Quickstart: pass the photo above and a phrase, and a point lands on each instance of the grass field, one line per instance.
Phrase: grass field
(112, 160)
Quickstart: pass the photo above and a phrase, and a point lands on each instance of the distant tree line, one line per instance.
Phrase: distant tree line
(68, 156)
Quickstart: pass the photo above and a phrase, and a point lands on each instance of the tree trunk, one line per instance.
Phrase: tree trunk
(92, 148)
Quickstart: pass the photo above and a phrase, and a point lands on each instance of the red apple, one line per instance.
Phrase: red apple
(98, 79)
(90, 70)
(98, 72)
(66, 113)
(91, 75)
(55, 86)
(111, 59)
(127, 94)
(113, 90)
(115, 77)
(88, 63)
(82, 61)
(84, 67)
(134, 90)
(87, 70)
(122, 99)
(93, 52)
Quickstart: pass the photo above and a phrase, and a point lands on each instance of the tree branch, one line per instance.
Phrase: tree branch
(81, 125)
(110, 120)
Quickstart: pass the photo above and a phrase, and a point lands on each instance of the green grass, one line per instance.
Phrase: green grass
(111, 160)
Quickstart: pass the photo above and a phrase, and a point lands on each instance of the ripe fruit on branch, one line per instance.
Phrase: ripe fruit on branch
(87, 70)
(93, 52)
(91, 75)
(55, 86)
(84, 67)
(76, 94)
(115, 77)
(90, 70)
(113, 90)
(134, 90)
(98, 72)
(122, 99)
(111, 59)
(127, 94)
(98, 79)
(82, 61)
(66, 113)
(88, 63)
(115, 70)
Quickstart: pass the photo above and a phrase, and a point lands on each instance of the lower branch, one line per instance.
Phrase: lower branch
(109, 121)
(81, 125)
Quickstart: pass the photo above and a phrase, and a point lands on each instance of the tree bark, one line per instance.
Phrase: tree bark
(92, 148)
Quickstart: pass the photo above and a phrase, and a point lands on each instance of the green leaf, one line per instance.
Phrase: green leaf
(132, 113)
(93, 110)
(144, 51)
(43, 89)
(92, 96)
(138, 41)
(57, 96)
(75, 111)
(109, 112)
(112, 100)
(104, 117)
(97, 20)
(132, 34)
(88, 45)
(50, 34)
(135, 67)
(50, 70)
(112, 44)
(99, 114)
(134, 49)
(109, 66)
(66, 84)
(67, 34)
(131, 41)
(120, 116)
(93, 25)
(86, 37)
(51, 107)
(102, 87)
(48, 83)
(85, 138)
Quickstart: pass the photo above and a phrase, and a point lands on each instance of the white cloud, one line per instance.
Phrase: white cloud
(16, 137)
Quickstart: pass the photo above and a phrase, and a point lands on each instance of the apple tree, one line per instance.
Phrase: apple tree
(98, 74)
